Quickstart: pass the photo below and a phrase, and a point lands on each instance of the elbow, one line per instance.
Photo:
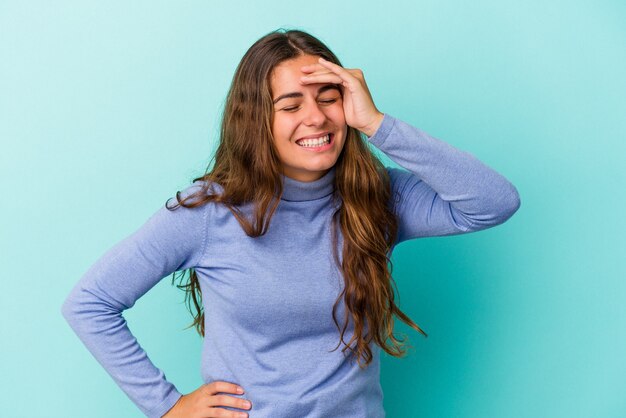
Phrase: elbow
(514, 201)
(82, 308)
(69, 309)
(496, 210)
(508, 203)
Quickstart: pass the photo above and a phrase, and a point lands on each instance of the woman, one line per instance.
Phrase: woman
(288, 241)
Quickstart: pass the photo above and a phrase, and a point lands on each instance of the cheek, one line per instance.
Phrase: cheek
(280, 126)
(336, 113)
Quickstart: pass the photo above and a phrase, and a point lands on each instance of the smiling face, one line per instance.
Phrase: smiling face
(306, 117)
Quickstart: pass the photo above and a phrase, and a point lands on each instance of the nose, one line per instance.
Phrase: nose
(314, 116)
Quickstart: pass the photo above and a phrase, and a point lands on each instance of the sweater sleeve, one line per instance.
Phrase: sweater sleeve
(446, 191)
(167, 242)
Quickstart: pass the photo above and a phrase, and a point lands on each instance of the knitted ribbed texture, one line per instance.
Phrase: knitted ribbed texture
(268, 300)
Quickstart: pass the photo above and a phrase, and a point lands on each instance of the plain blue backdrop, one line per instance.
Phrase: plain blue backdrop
(108, 108)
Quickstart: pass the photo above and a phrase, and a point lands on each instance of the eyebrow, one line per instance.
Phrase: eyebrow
(298, 94)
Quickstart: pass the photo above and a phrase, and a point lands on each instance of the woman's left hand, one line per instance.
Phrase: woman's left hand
(358, 106)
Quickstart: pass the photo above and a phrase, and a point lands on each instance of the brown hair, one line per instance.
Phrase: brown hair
(249, 172)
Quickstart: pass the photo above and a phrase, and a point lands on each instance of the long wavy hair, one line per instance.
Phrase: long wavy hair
(249, 172)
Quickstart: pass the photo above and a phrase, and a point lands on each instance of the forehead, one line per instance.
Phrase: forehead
(286, 75)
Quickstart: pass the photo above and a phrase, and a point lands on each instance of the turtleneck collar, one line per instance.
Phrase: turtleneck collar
(298, 191)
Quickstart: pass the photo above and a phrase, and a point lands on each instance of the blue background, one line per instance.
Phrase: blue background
(108, 108)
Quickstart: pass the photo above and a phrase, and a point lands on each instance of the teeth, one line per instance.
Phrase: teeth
(315, 142)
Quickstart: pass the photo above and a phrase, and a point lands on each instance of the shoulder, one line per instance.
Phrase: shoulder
(192, 207)
(194, 194)
(401, 182)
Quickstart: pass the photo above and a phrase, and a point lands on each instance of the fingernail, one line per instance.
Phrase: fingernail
(239, 390)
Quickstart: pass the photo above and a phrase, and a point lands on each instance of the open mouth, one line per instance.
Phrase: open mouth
(317, 143)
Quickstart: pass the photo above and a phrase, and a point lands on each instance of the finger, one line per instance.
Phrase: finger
(312, 67)
(221, 386)
(318, 71)
(225, 400)
(337, 69)
(351, 78)
(221, 412)
(321, 78)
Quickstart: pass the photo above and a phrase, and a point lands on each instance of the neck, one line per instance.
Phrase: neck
(296, 190)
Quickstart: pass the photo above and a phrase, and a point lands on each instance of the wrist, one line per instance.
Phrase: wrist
(171, 413)
(371, 129)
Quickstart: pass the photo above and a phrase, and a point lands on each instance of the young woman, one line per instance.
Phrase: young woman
(288, 240)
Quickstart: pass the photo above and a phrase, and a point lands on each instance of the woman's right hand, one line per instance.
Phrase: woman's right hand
(202, 403)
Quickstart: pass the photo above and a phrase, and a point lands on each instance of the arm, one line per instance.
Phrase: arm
(169, 241)
(445, 191)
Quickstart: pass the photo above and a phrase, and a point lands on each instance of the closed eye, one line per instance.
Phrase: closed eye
(294, 108)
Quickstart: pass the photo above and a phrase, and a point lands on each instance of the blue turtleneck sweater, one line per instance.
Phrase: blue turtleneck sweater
(268, 300)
